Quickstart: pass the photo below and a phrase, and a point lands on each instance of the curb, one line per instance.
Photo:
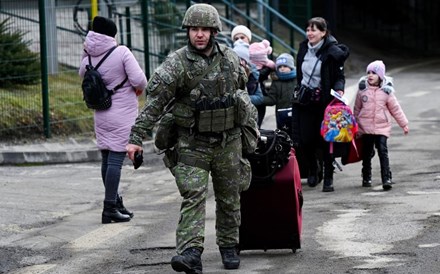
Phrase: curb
(73, 155)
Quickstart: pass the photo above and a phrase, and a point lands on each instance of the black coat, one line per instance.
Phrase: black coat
(307, 119)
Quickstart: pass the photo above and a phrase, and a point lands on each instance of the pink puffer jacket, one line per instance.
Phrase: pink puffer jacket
(113, 126)
(375, 106)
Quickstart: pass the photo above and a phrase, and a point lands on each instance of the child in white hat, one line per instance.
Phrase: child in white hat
(241, 32)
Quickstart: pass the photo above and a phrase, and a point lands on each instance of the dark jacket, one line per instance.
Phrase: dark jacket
(307, 119)
(280, 93)
(333, 56)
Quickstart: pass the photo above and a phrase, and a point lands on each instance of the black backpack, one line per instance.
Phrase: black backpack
(272, 154)
(95, 93)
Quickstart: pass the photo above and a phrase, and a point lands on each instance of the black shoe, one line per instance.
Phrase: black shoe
(328, 185)
(112, 214)
(230, 257)
(387, 185)
(121, 207)
(366, 183)
(190, 261)
(312, 181)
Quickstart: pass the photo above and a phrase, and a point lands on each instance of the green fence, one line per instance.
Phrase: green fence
(54, 30)
(54, 104)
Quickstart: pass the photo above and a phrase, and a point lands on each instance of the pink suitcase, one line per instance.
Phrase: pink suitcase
(271, 215)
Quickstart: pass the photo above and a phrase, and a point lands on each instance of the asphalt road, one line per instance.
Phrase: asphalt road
(50, 214)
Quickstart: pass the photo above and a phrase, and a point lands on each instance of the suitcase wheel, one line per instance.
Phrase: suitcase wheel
(294, 250)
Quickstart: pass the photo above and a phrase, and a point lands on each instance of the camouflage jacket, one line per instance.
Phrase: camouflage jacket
(169, 81)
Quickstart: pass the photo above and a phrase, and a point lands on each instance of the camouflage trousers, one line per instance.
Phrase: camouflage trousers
(230, 174)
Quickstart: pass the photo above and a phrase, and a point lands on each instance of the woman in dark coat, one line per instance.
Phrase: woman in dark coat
(320, 68)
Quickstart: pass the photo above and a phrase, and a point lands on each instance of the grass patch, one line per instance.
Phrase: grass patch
(22, 109)
(21, 115)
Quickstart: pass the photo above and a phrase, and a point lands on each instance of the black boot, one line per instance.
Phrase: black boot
(111, 213)
(230, 257)
(190, 261)
(121, 207)
(386, 179)
(366, 174)
(328, 176)
(312, 180)
(328, 185)
(387, 185)
(366, 180)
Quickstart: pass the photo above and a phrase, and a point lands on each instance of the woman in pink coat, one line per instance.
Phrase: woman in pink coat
(113, 126)
(375, 105)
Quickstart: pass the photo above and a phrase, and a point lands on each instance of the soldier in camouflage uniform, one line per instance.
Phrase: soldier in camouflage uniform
(209, 122)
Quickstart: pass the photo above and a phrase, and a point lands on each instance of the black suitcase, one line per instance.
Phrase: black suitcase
(271, 216)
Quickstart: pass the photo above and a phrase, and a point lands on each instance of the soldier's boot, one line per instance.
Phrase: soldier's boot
(111, 213)
(121, 207)
(190, 261)
(230, 257)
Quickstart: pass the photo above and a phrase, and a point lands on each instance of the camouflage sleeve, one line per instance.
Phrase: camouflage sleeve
(160, 90)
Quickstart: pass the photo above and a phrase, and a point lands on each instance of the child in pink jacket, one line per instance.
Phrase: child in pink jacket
(374, 106)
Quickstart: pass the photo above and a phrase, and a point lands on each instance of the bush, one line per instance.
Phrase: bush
(18, 64)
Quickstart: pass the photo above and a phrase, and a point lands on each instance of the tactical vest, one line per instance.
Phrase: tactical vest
(209, 106)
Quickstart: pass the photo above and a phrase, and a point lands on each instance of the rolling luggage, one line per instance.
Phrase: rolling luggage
(271, 215)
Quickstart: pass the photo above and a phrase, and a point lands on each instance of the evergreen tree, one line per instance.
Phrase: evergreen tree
(18, 64)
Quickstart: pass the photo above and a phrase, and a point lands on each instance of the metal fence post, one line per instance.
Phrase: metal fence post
(144, 11)
(44, 74)
(51, 37)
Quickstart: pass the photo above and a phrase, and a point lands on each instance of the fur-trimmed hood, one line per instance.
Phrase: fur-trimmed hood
(386, 85)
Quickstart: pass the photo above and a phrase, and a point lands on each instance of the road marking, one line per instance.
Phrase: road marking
(98, 236)
(417, 93)
(429, 245)
(423, 192)
(34, 269)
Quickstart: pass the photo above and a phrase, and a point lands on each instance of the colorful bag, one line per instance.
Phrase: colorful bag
(339, 124)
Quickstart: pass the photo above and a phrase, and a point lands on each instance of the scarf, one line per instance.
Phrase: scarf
(284, 76)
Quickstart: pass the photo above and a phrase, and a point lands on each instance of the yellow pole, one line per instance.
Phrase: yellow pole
(94, 8)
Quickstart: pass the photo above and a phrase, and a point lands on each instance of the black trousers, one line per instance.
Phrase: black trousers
(380, 142)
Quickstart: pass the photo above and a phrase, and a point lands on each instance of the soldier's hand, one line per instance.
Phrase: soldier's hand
(131, 149)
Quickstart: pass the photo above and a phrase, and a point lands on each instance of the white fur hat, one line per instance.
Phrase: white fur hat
(241, 29)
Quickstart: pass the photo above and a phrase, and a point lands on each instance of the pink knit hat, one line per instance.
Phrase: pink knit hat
(377, 67)
(258, 52)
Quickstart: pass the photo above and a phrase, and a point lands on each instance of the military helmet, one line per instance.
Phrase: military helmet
(202, 15)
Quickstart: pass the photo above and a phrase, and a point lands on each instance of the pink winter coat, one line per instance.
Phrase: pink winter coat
(113, 126)
(374, 107)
